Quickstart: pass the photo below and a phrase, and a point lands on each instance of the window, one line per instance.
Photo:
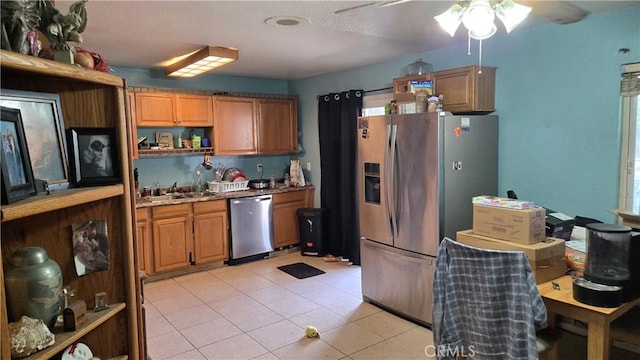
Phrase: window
(629, 198)
(374, 104)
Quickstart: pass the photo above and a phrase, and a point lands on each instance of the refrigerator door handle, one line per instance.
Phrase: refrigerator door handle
(393, 191)
(387, 176)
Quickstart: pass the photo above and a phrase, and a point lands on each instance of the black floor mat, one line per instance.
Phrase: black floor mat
(301, 270)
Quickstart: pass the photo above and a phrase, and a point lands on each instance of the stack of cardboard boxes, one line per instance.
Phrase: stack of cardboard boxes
(516, 225)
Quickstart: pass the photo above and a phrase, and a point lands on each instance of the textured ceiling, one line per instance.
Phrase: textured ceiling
(146, 33)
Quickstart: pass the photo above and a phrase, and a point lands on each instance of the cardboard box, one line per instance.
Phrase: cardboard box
(628, 218)
(421, 86)
(502, 202)
(547, 259)
(524, 226)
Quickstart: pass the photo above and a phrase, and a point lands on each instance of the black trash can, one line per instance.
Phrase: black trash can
(311, 222)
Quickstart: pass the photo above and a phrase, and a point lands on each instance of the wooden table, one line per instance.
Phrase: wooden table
(561, 302)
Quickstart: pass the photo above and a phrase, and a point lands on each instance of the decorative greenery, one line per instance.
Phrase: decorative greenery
(59, 28)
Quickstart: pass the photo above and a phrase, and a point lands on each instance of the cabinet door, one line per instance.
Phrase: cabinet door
(143, 242)
(234, 126)
(277, 126)
(210, 231)
(131, 123)
(465, 90)
(285, 217)
(194, 110)
(155, 109)
(171, 243)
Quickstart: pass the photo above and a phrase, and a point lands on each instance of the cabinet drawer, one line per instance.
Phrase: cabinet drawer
(209, 207)
(170, 211)
(288, 197)
(142, 215)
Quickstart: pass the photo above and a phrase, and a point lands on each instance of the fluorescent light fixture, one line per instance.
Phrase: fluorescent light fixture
(511, 14)
(203, 60)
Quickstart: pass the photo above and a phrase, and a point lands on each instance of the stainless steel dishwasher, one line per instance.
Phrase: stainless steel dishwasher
(251, 228)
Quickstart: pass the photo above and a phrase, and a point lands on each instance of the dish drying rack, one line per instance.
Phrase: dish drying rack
(227, 186)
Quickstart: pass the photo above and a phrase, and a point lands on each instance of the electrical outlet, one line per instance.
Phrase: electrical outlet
(259, 168)
(308, 165)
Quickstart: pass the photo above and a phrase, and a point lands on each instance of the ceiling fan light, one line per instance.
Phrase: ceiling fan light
(511, 14)
(479, 17)
(483, 33)
(451, 19)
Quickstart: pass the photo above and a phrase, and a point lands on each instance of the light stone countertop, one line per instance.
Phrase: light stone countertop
(143, 202)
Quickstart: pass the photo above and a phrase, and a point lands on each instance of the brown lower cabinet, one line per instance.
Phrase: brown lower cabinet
(210, 235)
(143, 240)
(172, 237)
(285, 216)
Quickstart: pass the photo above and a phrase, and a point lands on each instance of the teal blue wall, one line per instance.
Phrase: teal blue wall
(557, 95)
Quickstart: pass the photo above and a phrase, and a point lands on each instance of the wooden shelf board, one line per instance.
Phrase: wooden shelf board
(35, 65)
(58, 199)
(64, 339)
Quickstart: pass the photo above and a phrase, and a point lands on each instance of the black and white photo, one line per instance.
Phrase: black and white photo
(94, 156)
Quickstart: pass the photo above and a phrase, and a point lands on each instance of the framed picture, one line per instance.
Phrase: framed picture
(94, 156)
(90, 246)
(44, 130)
(17, 176)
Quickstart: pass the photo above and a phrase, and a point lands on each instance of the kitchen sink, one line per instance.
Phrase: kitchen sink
(165, 197)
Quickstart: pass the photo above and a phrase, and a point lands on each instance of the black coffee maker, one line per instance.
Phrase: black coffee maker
(613, 258)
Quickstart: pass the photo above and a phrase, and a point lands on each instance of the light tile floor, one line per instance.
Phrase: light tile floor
(255, 311)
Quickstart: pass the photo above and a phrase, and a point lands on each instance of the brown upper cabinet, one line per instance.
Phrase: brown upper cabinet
(168, 109)
(244, 126)
(234, 126)
(465, 89)
(277, 126)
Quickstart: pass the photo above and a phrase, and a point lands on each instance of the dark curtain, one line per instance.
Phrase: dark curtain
(337, 125)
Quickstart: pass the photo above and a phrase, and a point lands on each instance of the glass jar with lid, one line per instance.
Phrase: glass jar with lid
(419, 67)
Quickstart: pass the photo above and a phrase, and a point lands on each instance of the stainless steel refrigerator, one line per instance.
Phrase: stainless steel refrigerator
(417, 174)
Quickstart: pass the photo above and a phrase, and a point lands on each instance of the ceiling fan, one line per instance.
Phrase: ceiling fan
(373, 3)
(557, 11)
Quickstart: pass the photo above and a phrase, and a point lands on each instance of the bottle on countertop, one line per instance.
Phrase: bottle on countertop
(272, 182)
(198, 189)
(179, 141)
(287, 180)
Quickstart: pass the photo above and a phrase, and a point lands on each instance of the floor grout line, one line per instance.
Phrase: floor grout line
(258, 272)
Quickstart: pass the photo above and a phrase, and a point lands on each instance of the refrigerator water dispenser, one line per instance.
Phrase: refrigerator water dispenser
(372, 183)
